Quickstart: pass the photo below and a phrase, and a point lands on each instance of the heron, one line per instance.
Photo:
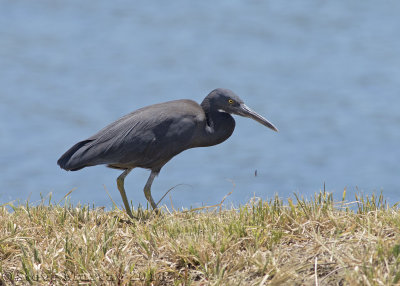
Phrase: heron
(151, 136)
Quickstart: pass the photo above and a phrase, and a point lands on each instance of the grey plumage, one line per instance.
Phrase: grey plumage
(150, 136)
(139, 139)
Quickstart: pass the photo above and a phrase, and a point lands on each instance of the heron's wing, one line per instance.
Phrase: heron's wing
(147, 138)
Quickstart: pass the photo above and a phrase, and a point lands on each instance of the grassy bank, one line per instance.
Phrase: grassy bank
(296, 242)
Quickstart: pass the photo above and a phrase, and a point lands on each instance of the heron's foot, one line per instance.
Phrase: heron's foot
(149, 198)
(127, 221)
(157, 211)
(129, 213)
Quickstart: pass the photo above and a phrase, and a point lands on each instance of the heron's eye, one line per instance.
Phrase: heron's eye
(230, 101)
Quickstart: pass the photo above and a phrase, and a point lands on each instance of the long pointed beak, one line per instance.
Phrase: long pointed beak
(246, 111)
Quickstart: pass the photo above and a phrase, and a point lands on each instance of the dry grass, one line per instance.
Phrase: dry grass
(301, 242)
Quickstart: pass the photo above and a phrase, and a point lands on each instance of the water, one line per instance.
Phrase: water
(327, 74)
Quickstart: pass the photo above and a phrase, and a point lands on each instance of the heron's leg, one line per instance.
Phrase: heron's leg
(120, 184)
(147, 190)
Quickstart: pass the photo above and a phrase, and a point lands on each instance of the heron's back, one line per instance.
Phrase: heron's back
(148, 138)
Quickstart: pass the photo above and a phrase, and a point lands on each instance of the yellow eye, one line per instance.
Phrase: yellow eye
(230, 101)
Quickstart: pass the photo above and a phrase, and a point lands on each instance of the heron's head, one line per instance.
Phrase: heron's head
(225, 100)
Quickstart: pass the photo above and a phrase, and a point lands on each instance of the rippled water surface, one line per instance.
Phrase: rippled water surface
(326, 74)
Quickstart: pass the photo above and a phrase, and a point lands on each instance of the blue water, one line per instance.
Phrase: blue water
(327, 74)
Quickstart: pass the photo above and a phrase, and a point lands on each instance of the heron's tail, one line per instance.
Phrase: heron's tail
(67, 162)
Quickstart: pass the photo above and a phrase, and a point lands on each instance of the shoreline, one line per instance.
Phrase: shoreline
(316, 241)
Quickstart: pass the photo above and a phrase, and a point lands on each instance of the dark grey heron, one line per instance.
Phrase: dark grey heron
(151, 136)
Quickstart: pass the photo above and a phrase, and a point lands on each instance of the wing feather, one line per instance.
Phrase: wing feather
(148, 138)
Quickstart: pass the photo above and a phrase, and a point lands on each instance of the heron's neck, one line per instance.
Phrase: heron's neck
(219, 126)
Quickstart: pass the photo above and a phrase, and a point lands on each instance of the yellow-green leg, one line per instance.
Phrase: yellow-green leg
(120, 184)
(147, 190)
